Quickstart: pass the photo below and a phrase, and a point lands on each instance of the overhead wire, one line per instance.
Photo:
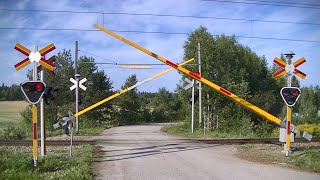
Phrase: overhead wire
(284, 2)
(121, 64)
(161, 32)
(269, 3)
(160, 15)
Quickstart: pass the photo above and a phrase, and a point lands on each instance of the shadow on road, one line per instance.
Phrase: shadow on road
(123, 154)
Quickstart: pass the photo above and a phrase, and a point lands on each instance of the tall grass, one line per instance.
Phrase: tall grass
(18, 165)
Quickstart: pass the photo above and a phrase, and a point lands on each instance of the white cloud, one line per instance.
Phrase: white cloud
(168, 46)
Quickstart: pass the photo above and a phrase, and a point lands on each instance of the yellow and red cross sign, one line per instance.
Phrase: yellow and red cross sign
(292, 68)
(51, 73)
(35, 57)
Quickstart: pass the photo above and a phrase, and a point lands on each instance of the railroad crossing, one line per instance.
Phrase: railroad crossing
(196, 76)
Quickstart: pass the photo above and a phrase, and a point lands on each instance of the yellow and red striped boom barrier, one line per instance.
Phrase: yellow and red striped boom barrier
(128, 89)
(196, 76)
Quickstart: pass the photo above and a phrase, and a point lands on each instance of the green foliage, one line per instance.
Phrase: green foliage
(182, 129)
(166, 106)
(18, 165)
(99, 86)
(129, 103)
(12, 93)
(307, 106)
(310, 159)
(236, 68)
(13, 132)
(313, 129)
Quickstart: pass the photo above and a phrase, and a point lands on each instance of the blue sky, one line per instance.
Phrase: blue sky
(306, 27)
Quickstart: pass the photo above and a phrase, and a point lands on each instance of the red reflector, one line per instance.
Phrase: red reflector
(39, 87)
(296, 92)
(171, 64)
(34, 131)
(225, 91)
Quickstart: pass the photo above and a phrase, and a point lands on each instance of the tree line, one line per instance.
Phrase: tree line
(10, 93)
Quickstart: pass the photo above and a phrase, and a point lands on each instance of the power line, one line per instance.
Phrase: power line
(112, 62)
(164, 15)
(268, 3)
(158, 32)
(284, 2)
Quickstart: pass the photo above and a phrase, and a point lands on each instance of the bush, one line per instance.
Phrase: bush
(13, 132)
(313, 129)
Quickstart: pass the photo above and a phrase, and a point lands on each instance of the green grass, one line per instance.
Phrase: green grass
(305, 157)
(180, 130)
(10, 112)
(18, 165)
(310, 159)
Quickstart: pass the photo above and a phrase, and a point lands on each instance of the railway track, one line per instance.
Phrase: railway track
(254, 141)
(48, 143)
(207, 141)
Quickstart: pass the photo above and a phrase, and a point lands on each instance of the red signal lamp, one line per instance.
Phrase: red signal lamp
(39, 87)
(33, 90)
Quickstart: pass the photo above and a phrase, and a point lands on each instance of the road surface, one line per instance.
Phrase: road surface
(145, 153)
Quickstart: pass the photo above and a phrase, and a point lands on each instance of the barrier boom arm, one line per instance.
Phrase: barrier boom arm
(221, 90)
(128, 89)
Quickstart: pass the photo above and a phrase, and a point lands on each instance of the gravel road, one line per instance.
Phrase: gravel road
(145, 153)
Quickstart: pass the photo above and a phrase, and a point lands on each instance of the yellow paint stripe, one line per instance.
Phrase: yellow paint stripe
(279, 62)
(300, 75)
(127, 89)
(299, 62)
(235, 98)
(22, 65)
(34, 120)
(288, 133)
(26, 50)
(47, 66)
(277, 76)
(46, 48)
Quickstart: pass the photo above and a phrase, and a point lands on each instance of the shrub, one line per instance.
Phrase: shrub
(13, 132)
(313, 129)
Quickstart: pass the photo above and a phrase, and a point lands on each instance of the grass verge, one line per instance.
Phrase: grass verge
(303, 156)
(17, 164)
(180, 130)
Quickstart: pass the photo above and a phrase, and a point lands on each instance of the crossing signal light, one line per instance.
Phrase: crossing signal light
(33, 90)
(48, 96)
(290, 95)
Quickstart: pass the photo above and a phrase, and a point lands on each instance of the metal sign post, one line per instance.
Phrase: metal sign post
(289, 55)
(191, 83)
(289, 68)
(34, 114)
(42, 121)
(76, 85)
(35, 58)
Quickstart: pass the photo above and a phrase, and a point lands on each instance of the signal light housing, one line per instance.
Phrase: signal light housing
(33, 90)
(290, 95)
